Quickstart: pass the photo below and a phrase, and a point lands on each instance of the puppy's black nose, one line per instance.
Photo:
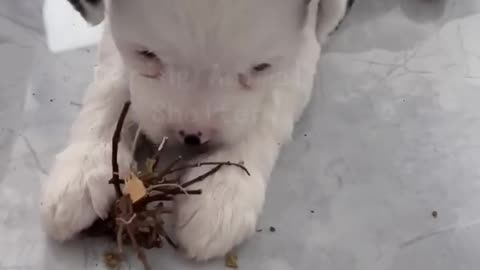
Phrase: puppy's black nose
(192, 139)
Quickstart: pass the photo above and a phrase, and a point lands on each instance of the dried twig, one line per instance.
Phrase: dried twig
(115, 141)
(227, 163)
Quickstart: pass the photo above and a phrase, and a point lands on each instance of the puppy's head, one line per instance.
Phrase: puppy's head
(202, 70)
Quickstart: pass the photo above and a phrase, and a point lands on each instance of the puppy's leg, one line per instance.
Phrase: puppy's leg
(226, 213)
(77, 191)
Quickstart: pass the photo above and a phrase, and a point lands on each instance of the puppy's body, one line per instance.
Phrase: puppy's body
(234, 75)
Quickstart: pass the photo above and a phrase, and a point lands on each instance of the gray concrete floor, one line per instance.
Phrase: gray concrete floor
(392, 135)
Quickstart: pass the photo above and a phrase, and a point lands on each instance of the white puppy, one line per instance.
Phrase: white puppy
(233, 74)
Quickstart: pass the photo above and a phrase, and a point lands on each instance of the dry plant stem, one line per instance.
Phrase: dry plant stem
(115, 141)
(228, 163)
(203, 176)
(169, 240)
(169, 168)
(164, 187)
(140, 254)
(159, 150)
(126, 219)
(179, 192)
(165, 197)
(120, 239)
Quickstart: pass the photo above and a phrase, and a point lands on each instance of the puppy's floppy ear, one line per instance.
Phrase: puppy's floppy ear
(93, 11)
(330, 14)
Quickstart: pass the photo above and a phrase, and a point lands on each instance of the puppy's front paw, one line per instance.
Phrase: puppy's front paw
(224, 215)
(77, 192)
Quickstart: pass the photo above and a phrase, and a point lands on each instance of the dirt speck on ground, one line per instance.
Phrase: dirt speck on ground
(231, 261)
(112, 260)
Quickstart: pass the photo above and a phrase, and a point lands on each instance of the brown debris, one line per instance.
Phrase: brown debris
(231, 261)
(112, 260)
(139, 222)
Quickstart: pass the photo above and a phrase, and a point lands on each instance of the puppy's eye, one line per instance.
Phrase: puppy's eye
(147, 54)
(261, 67)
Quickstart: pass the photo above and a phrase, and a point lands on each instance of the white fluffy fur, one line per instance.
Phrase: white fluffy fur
(203, 47)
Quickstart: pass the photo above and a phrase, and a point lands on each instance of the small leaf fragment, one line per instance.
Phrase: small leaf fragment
(135, 188)
(231, 261)
(112, 260)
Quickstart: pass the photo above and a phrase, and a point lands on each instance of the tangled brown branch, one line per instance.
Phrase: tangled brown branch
(140, 222)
